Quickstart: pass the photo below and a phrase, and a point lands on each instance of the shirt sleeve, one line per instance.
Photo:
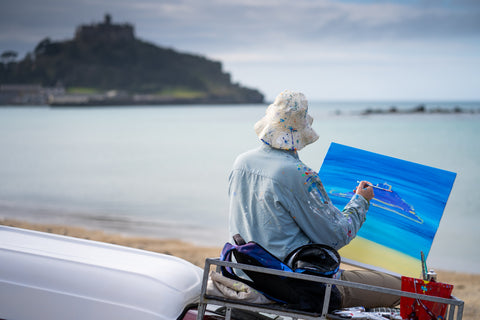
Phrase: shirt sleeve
(320, 220)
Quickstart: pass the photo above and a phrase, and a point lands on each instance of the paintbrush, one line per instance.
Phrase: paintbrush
(376, 187)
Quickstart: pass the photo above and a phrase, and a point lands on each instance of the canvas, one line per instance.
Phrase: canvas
(405, 213)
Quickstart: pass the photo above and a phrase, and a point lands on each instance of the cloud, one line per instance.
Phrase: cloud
(246, 21)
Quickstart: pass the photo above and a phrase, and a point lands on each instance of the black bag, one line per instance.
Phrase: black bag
(294, 293)
(315, 259)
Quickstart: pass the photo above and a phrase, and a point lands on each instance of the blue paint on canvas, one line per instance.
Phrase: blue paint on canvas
(404, 218)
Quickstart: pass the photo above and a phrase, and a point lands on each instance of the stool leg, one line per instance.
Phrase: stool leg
(228, 313)
(201, 311)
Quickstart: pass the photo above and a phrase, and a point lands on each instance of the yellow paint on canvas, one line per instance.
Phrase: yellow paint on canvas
(374, 254)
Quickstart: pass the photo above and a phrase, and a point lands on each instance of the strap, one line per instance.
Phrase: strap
(239, 241)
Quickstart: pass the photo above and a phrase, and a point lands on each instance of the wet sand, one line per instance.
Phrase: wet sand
(466, 286)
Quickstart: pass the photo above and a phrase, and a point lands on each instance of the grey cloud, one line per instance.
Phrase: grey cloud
(240, 24)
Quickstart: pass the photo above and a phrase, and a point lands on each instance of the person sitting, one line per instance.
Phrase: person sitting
(279, 202)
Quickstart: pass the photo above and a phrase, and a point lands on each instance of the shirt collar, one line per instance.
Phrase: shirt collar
(268, 148)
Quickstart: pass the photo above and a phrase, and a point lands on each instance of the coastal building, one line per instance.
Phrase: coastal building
(27, 94)
(105, 31)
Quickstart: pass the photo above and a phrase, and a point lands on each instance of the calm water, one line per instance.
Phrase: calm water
(163, 171)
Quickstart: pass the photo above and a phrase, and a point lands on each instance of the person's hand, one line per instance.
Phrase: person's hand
(365, 190)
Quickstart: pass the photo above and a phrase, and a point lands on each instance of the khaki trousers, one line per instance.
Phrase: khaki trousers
(353, 297)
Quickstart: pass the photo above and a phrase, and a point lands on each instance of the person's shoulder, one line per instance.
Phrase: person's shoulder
(248, 154)
(246, 157)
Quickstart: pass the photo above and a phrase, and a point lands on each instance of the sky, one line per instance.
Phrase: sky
(347, 50)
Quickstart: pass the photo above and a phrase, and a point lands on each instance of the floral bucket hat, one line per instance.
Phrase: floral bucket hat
(287, 124)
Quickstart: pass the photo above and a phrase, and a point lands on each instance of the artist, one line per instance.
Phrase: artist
(280, 203)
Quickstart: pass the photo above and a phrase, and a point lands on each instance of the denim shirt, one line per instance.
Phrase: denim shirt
(280, 203)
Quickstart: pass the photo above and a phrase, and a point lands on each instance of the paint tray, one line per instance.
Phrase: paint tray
(411, 308)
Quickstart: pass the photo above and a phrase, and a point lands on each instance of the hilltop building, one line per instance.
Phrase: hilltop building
(105, 31)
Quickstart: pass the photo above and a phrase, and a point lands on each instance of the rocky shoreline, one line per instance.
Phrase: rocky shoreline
(420, 109)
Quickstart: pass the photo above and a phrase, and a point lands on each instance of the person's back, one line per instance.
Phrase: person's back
(261, 190)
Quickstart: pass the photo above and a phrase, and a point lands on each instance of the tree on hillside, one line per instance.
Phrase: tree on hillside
(8, 56)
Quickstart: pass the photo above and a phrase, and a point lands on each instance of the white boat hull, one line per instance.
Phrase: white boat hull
(46, 276)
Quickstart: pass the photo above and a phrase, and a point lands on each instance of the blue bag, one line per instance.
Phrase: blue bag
(293, 293)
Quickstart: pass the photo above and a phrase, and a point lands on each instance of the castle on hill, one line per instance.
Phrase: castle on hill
(105, 31)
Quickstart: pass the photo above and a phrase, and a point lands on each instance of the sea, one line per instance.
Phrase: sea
(162, 171)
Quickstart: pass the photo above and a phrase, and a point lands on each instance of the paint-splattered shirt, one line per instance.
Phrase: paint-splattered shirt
(280, 203)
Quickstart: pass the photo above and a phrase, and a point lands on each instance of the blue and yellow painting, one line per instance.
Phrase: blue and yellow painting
(405, 213)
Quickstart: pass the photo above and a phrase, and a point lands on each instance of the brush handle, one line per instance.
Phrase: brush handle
(376, 187)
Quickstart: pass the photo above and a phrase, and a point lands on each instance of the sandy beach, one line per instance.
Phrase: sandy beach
(466, 286)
